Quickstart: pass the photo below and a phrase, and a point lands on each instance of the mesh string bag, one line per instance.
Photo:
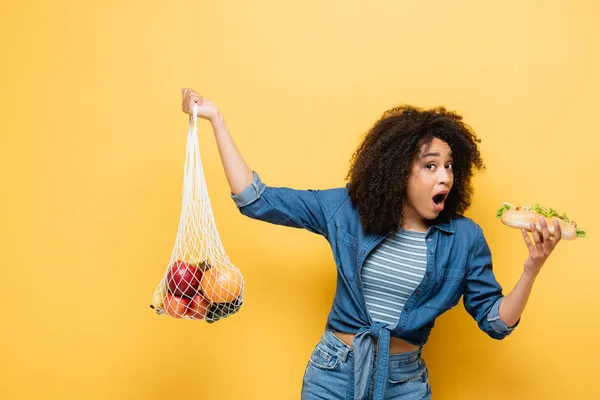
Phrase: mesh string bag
(200, 282)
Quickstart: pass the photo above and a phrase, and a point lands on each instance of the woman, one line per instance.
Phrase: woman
(403, 250)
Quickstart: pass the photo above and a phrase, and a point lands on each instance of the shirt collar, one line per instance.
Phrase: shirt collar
(445, 225)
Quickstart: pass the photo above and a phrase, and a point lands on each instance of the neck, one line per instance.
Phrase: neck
(414, 224)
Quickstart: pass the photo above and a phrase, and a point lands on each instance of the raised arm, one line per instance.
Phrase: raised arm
(238, 174)
(308, 209)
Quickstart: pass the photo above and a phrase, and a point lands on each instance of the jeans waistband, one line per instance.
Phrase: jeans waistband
(336, 344)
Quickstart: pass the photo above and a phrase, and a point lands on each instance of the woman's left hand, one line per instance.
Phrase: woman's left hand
(542, 245)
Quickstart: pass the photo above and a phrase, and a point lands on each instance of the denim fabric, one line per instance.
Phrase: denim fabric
(459, 263)
(330, 372)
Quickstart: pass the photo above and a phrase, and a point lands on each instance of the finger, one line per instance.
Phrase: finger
(191, 98)
(536, 235)
(527, 240)
(545, 230)
(557, 232)
(184, 101)
(196, 98)
(190, 95)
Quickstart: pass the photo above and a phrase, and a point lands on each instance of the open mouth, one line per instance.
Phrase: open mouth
(438, 201)
(439, 198)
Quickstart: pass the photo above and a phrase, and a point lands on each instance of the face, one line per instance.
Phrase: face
(428, 186)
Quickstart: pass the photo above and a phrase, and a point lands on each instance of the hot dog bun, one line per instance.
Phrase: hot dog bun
(522, 217)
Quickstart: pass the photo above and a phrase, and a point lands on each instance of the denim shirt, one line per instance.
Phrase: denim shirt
(459, 264)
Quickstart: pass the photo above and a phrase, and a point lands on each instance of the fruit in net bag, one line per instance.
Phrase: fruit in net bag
(198, 307)
(220, 310)
(176, 306)
(200, 282)
(221, 284)
(184, 278)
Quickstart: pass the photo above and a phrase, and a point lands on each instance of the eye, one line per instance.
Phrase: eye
(450, 166)
(430, 167)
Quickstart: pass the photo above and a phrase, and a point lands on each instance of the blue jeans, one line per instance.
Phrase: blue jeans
(330, 373)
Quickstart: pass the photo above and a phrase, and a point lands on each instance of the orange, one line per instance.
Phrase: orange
(221, 285)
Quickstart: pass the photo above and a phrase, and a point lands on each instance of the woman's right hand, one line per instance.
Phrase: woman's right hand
(206, 109)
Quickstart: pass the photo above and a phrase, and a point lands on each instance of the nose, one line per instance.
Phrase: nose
(443, 176)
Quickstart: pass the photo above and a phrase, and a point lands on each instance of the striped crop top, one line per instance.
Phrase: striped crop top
(391, 272)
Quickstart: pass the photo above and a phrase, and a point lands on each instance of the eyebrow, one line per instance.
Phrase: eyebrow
(450, 155)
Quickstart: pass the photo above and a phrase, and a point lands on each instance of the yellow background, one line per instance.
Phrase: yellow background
(93, 144)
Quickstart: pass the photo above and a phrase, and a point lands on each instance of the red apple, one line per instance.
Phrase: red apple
(184, 278)
(176, 306)
(198, 307)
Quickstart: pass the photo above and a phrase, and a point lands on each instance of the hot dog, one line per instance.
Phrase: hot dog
(521, 217)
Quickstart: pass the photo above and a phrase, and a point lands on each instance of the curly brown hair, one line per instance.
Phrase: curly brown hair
(382, 163)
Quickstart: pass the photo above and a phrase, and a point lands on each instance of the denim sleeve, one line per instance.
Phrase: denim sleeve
(282, 206)
(483, 293)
